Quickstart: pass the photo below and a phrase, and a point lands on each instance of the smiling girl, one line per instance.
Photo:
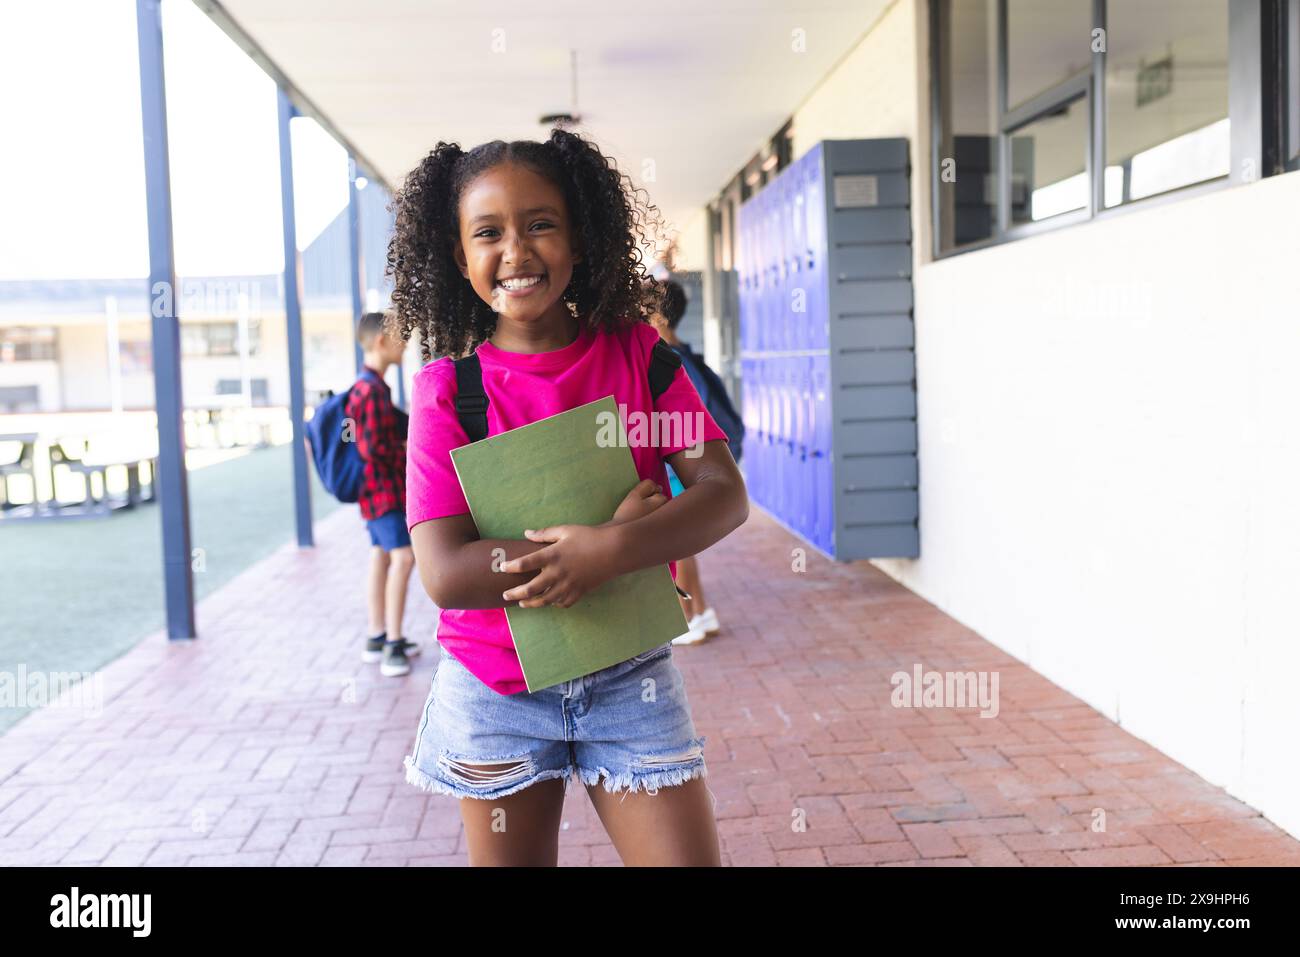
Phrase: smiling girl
(527, 255)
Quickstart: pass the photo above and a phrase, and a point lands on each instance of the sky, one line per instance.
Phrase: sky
(72, 193)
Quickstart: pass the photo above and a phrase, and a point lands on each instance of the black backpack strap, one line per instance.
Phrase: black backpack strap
(664, 363)
(471, 400)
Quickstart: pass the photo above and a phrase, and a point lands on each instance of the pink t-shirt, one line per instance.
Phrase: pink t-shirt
(522, 388)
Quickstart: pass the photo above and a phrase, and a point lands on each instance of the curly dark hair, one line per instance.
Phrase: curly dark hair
(610, 285)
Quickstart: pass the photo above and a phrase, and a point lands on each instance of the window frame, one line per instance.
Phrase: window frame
(1090, 84)
(1290, 81)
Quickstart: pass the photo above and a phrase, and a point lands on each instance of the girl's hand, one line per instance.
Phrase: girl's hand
(578, 561)
(644, 498)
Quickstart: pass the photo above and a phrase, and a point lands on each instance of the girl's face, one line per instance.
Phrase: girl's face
(514, 226)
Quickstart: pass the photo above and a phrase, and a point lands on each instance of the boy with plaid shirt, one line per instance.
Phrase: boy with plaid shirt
(380, 430)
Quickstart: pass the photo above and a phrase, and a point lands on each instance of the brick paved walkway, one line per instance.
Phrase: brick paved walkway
(268, 742)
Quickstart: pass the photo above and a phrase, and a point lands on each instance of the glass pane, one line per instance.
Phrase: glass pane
(1047, 41)
(1166, 95)
(967, 84)
(1048, 158)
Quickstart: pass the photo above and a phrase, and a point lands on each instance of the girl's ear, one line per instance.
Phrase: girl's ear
(458, 254)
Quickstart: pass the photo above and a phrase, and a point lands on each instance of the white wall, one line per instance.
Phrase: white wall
(1109, 453)
(83, 361)
(42, 374)
(1109, 462)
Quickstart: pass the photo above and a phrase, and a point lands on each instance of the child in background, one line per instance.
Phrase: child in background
(701, 620)
(380, 431)
(527, 253)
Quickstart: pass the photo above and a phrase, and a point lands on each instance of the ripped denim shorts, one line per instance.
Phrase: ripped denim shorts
(627, 726)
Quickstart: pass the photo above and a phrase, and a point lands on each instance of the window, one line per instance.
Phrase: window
(136, 356)
(966, 84)
(28, 344)
(1049, 112)
(1049, 156)
(1291, 83)
(218, 338)
(1166, 95)
(1048, 42)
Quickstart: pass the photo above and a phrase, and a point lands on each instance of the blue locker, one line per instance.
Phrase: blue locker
(767, 341)
(815, 250)
(821, 456)
(825, 300)
(786, 271)
(803, 445)
(799, 231)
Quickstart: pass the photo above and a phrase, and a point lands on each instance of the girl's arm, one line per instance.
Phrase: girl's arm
(714, 504)
(578, 558)
(460, 570)
(456, 566)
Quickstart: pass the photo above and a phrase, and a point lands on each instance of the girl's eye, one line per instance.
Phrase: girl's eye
(482, 233)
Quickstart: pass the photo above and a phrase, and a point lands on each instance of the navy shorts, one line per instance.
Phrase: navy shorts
(388, 531)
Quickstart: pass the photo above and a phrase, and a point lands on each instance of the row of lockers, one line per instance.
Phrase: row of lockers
(829, 398)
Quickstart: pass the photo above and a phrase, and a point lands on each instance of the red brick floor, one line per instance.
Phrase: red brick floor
(268, 742)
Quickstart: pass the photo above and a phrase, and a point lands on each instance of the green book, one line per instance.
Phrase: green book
(570, 468)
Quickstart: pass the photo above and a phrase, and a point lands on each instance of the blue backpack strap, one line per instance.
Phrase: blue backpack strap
(471, 400)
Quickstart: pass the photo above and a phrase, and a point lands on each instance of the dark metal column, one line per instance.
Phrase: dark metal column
(357, 263)
(293, 323)
(171, 481)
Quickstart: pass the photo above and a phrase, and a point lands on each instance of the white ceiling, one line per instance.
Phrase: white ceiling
(697, 86)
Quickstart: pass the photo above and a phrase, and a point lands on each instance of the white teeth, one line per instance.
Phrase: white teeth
(520, 283)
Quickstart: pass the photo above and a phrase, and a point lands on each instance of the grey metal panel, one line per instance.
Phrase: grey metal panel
(878, 471)
(886, 435)
(866, 155)
(891, 189)
(872, 366)
(894, 366)
(880, 402)
(885, 224)
(881, 296)
(857, 263)
(878, 541)
(877, 506)
(874, 332)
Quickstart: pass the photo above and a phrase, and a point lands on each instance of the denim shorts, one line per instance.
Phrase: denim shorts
(627, 726)
(388, 531)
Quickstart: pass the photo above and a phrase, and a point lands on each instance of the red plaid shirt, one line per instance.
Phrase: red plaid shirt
(381, 443)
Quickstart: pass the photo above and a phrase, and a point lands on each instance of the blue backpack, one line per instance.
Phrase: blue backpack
(714, 395)
(338, 463)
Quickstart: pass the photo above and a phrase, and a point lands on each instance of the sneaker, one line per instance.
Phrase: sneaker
(692, 637)
(707, 621)
(375, 649)
(394, 663)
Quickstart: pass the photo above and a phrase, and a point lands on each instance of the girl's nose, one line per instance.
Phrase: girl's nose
(516, 249)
